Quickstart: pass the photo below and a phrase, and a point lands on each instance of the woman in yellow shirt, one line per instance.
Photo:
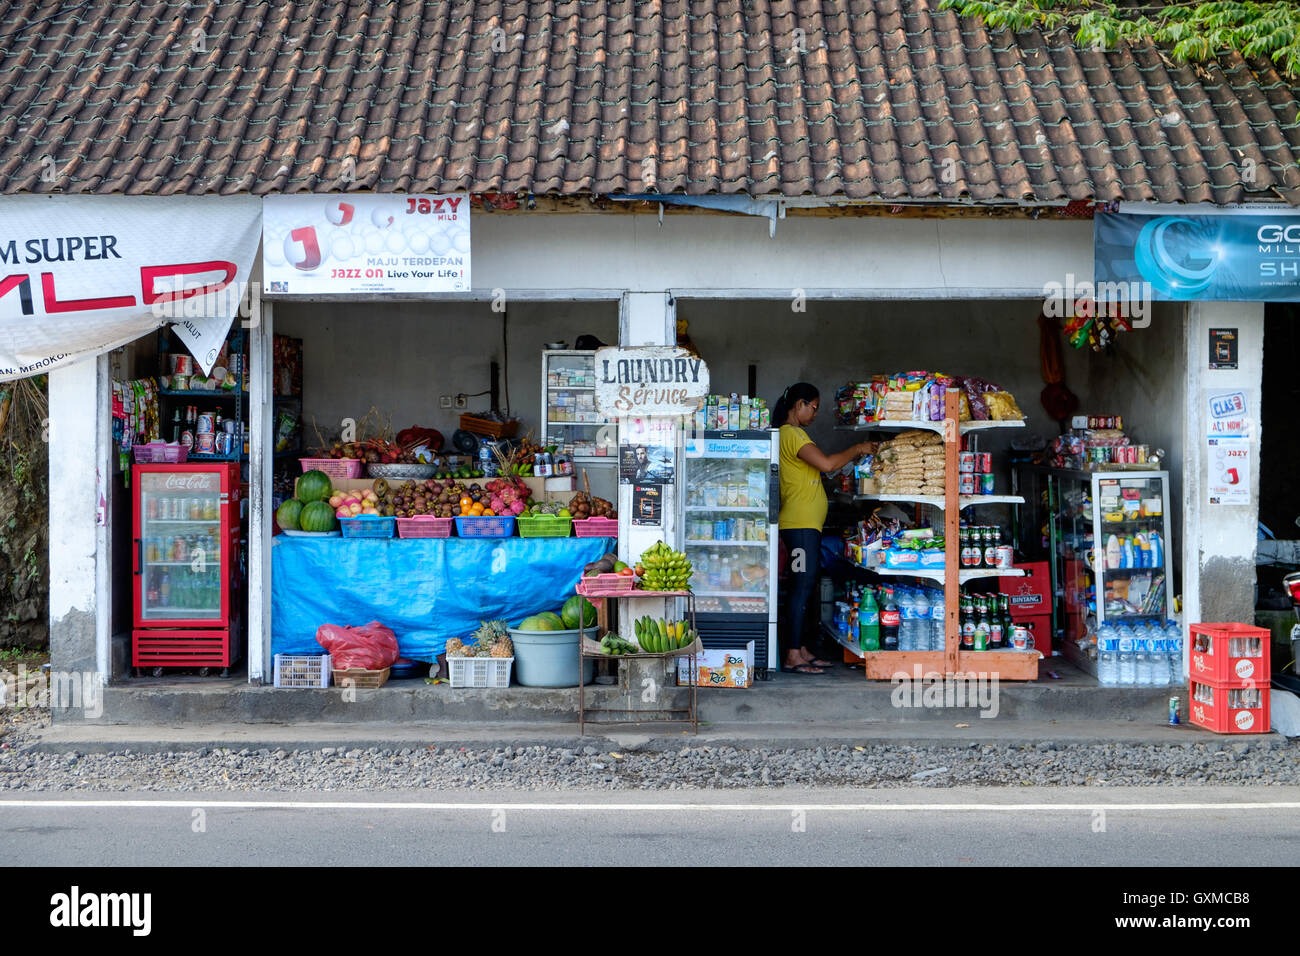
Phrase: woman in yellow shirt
(803, 510)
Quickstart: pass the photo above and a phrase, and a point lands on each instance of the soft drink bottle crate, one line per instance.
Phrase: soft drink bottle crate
(1234, 655)
(1229, 710)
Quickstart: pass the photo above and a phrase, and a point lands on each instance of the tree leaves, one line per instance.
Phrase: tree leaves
(1194, 32)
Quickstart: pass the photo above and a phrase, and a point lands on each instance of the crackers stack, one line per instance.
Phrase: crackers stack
(911, 464)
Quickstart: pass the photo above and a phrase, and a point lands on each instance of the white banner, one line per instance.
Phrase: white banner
(346, 243)
(81, 275)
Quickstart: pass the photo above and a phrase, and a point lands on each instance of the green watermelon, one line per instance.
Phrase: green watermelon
(317, 516)
(541, 622)
(554, 620)
(314, 486)
(288, 515)
(575, 606)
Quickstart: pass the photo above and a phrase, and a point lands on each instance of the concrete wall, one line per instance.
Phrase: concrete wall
(400, 357)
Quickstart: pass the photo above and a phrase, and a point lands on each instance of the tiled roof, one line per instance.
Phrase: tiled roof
(864, 99)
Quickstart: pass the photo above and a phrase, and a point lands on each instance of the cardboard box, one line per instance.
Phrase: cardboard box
(550, 489)
(719, 667)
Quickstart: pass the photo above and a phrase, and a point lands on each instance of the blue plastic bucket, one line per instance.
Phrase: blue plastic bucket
(549, 659)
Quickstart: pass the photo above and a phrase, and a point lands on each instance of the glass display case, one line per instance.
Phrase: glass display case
(1106, 535)
(569, 401)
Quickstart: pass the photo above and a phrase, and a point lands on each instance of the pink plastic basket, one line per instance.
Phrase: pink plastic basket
(497, 526)
(334, 467)
(425, 526)
(595, 528)
(600, 585)
(160, 453)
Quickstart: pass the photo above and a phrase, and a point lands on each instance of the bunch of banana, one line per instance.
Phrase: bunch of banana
(664, 569)
(613, 644)
(658, 637)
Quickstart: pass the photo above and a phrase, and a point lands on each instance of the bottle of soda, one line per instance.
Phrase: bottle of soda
(889, 622)
(868, 621)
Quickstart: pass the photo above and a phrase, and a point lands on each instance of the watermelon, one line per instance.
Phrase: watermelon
(317, 516)
(576, 606)
(314, 486)
(554, 620)
(541, 622)
(288, 514)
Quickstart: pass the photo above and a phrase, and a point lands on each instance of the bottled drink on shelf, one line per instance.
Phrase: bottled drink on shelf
(938, 620)
(1127, 661)
(889, 622)
(1107, 656)
(868, 621)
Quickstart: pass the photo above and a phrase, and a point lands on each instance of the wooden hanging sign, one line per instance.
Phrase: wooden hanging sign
(649, 381)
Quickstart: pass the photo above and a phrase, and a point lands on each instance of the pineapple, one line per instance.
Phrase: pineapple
(487, 636)
(455, 647)
(503, 648)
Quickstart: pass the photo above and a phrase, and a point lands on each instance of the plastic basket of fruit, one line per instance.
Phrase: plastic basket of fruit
(595, 527)
(334, 467)
(302, 670)
(368, 526)
(162, 453)
(544, 526)
(600, 585)
(480, 671)
(425, 526)
(402, 472)
(496, 526)
(356, 677)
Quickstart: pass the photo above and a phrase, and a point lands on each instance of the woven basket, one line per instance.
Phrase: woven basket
(484, 426)
(360, 677)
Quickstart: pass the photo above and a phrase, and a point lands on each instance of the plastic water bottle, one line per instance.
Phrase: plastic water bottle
(1127, 661)
(1159, 656)
(1141, 652)
(907, 621)
(938, 621)
(1174, 650)
(1107, 656)
(920, 621)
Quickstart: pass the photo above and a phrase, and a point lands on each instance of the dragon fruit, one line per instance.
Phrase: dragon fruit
(497, 505)
(516, 507)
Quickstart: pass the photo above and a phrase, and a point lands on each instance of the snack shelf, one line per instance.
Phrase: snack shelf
(898, 424)
(835, 636)
(937, 501)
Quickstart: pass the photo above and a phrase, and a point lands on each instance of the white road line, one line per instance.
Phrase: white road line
(623, 807)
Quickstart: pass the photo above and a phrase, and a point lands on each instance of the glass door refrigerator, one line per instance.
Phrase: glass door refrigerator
(185, 566)
(730, 500)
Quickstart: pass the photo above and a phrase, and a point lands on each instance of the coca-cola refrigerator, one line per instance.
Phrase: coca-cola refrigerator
(185, 566)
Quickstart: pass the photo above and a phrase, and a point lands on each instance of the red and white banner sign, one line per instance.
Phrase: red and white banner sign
(365, 242)
(81, 275)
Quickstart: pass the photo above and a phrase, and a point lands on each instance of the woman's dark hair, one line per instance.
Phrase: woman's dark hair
(792, 396)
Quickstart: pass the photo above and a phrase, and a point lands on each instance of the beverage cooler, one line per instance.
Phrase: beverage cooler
(730, 500)
(185, 566)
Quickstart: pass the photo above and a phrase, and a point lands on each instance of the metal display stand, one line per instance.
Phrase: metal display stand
(589, 649)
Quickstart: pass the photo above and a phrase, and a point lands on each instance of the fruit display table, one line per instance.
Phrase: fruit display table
(428, 590)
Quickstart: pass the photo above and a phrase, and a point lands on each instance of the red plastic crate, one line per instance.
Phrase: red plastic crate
(1030, 595)
(1212, 658)
(1040, 626)
(1222, 714)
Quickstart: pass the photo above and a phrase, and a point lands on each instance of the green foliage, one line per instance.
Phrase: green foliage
(1192, 31)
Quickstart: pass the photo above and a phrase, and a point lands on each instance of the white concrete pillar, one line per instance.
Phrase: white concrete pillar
(80, 439)
(261, 448)
(1219, 540)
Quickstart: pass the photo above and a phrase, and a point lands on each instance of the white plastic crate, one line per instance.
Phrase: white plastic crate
(302, 670)
(480, 671)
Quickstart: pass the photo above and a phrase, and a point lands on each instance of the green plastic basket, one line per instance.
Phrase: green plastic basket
(544, 526)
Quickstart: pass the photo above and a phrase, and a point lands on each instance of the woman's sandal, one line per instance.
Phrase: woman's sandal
(801, 669)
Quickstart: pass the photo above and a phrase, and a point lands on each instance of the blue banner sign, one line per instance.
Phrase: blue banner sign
(1234, 255)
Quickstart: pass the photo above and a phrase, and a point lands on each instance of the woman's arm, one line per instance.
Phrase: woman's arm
(826, 463)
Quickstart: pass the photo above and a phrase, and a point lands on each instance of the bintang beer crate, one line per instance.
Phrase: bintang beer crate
(1229, 671)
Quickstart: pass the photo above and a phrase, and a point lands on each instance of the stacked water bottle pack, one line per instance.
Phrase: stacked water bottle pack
(1144, 654)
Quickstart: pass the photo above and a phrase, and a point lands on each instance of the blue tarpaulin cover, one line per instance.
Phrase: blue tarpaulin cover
(428, 590)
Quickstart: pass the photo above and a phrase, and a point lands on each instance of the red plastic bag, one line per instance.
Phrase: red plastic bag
(371, 647)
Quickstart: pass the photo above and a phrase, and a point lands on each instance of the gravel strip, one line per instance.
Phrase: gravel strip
(1213, 761)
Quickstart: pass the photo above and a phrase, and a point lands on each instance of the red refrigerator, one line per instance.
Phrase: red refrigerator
(185, 565)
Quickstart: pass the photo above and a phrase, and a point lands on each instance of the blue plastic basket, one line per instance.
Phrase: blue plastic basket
(368, 526)
(497, 526)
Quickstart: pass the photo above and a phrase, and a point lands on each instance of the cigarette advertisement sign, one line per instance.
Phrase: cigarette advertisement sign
(345, 243)
(82, 275)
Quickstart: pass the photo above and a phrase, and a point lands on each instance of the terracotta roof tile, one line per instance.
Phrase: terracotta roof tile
(867, 99)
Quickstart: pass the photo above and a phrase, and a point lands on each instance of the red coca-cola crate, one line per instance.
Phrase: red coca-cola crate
(1030, 595)
(1235, 655)
(1229, 710)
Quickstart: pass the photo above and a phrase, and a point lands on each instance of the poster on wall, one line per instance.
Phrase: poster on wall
(647, 505)
(1223, 348)
(83, 275)
(1229, 460)
(640, 464)
(1228, 414)
(365, 242)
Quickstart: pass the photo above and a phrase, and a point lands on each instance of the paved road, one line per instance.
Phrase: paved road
(1032, 826)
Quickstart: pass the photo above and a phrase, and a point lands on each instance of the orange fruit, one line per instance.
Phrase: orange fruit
(466, 503)
(489, 513)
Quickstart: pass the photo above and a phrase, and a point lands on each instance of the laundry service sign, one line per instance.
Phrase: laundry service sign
(649, 381)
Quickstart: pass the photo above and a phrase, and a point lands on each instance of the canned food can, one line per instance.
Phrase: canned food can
(1092, 421)
(966, 485)
(187, 439)
(984, 462)
(966, 462)
(207, 423)
(1020, 637)
(1006, 556)
(180, 383)
(207, 444)
(986, 484)
(720, 530)
(1174, 704)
